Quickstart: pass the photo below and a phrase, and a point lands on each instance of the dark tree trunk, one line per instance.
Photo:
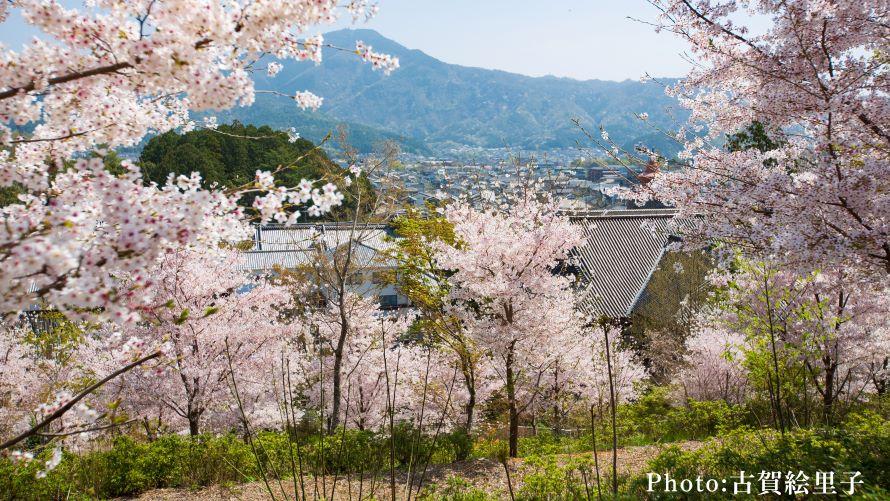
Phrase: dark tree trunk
(470, 383)
(193, 424)
(880, 384)
(336, 394)
(470, 410)
(557, 421)
(514, 411)
(612, 405)
(828, 397)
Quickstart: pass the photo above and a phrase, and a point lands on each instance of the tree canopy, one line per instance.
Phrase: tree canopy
(230, 155)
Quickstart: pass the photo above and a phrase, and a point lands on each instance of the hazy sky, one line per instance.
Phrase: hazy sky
(575, 38)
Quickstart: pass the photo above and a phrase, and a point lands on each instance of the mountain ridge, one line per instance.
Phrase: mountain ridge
(431, 105)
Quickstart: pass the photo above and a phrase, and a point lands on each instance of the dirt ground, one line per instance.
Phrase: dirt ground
(482, 473)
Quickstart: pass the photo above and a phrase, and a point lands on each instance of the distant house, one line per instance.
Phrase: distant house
(302, 246)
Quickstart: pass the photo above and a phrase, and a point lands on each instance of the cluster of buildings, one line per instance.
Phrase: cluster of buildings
(579, 185)
(321, 250)
(622, 250)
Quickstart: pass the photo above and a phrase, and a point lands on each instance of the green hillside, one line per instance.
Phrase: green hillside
(230, 156)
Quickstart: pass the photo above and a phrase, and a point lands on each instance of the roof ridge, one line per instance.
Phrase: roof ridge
(619, 213)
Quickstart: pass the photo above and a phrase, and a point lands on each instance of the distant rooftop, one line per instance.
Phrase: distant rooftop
(622, 250)
(293, 246)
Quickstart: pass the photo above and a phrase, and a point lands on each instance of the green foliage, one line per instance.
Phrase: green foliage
(456, 489)
(10, 194)
(126, 466)
(345, 451)
(417, 277)
(754, 136)
(54, 336)
(129, 467)
(230, 156)
(447, 448)
(783, 364)
(653, 418)
(547, 479)
(861, 444)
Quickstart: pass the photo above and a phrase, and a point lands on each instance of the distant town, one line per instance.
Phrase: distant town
(579, 182)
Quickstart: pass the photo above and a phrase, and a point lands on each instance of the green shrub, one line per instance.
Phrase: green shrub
(653, 419)
(574, 478)
(343, 451)
(861, 444)
(456, 489)
(126, 466)
(549, 480)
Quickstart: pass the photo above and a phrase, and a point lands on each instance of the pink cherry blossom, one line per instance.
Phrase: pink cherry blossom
(816, 79)
(107, 73)
(504, 289)
(212, 312)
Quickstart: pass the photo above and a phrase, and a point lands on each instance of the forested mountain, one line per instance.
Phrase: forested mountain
(231, 155)
(430, 103)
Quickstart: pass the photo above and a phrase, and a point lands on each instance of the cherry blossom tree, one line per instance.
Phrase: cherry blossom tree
(426, 285)
(579, 377)
(218, 325)
(22, 381)
(105, 75)
(374, 334)
(713, 366)
(505, 290)
(822, 321)
(815, 79)
(591, 374)
(44, 371)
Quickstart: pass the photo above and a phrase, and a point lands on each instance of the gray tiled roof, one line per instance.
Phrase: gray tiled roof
(621, 251)
(269, 260)
(295, 246)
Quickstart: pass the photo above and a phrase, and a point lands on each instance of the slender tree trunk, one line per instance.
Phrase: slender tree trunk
(774, 350)
(880, 384)
(390, 411)
(596, 461)
(470, 383)
(828, 397)
(336, 392)
(778, 388)
(557, 424)
(149, 432)
(511, 398)
(509, 481)
(806, 402)
(612, 407)
(470, 408)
